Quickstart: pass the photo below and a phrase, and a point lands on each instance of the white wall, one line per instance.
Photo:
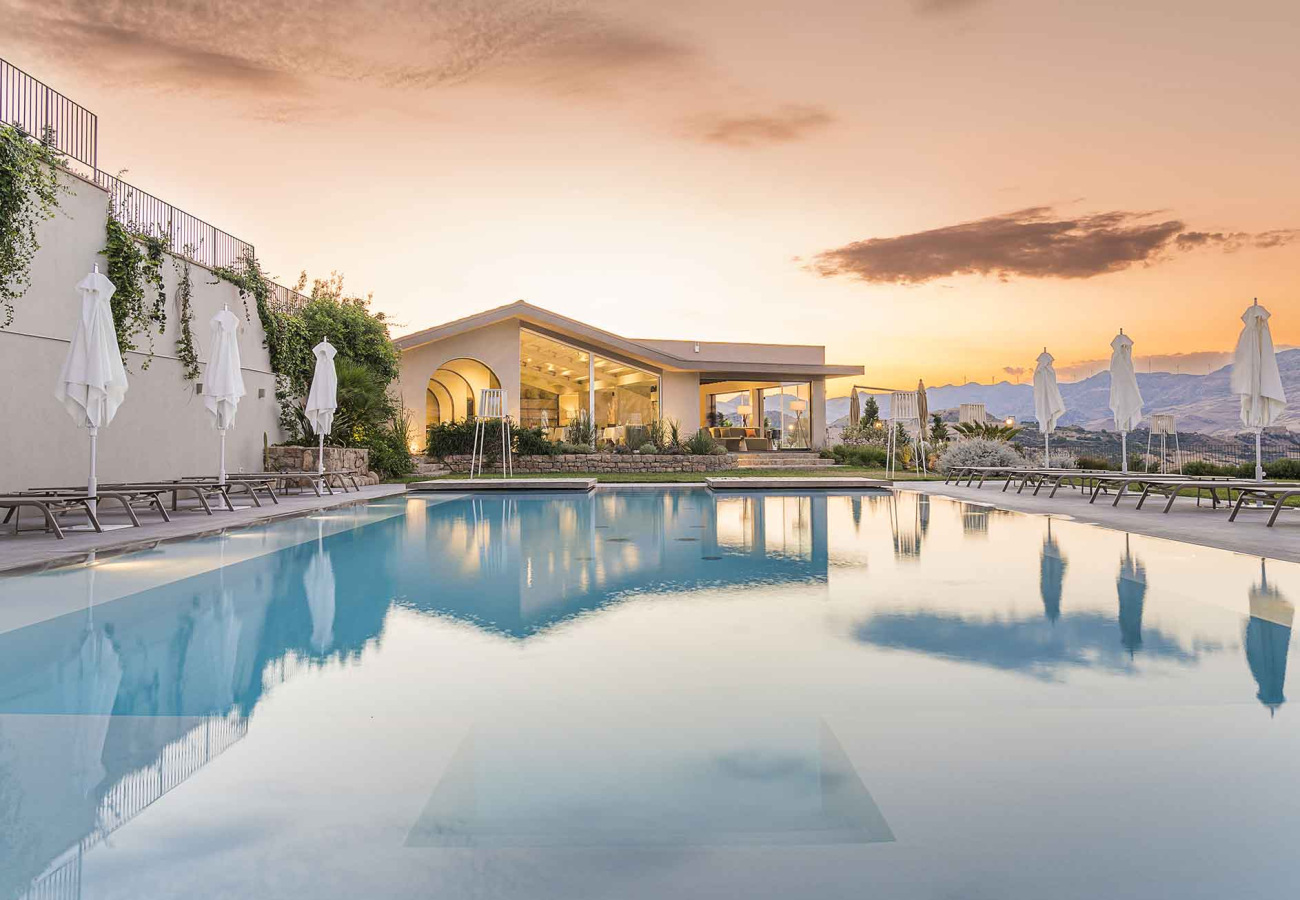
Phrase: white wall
(162, 429)
(681, 400)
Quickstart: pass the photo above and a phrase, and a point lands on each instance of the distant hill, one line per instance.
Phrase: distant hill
(1201, 402)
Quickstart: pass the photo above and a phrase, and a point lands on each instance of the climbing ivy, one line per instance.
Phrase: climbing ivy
(286, 338)
(30, 188)
(186, 352)
(140, 300)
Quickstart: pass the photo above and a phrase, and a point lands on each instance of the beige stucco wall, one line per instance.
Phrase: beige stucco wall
(681, 400)
(162, 429)
(496, 346)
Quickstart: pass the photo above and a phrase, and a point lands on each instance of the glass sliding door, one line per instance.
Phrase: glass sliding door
(786, 410)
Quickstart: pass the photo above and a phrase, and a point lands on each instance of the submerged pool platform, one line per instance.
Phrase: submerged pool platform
(506, 485)
(647, 693)
(796, 483)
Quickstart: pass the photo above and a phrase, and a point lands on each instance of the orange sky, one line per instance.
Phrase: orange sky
(718, 169)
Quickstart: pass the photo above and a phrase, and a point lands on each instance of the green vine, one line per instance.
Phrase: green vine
(139, 302)
(185, 349)
(30, 188)
(286, 340)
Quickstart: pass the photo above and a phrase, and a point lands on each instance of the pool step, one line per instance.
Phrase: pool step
(783, 460)
(462, 485)
(807, 483)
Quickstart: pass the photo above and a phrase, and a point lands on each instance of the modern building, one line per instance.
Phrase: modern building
(554, 369)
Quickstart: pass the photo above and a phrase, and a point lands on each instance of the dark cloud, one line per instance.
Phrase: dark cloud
(943, 7)
(790, 123)
(1031, 243)
(295, 47)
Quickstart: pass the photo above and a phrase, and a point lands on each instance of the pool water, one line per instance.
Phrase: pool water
(649, 694)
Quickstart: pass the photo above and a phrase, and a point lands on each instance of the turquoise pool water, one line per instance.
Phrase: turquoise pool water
(649, 694)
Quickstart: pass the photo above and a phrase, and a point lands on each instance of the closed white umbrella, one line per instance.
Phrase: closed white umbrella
(93, 382)
(1125, 398)
(223, 378)
(1255, 377)
(322, 400)
(1048, 404)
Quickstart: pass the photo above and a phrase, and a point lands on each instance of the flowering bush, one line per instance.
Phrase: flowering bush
(979, 452)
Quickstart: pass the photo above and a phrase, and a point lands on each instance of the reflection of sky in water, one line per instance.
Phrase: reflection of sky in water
(624, 694)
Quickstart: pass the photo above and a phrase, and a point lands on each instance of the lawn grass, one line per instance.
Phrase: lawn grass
(698, 477)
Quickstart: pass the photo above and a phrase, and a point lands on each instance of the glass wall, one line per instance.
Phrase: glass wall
(555, 390)
(786, 409)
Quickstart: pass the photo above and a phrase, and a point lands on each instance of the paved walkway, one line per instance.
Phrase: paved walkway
(1185, 522)
(36, 548)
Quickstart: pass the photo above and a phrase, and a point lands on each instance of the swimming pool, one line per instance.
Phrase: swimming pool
(641, 694)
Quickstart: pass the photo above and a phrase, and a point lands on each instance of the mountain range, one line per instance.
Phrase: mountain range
(1200, 403)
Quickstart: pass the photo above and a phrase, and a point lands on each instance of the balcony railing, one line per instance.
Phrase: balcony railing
(45, 114)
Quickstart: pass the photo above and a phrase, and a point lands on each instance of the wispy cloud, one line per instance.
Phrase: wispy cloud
(286, 48)
(943, 7)
(1032, 243)
(789, 123)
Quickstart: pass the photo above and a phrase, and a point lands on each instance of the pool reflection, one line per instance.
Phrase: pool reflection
(105, 710)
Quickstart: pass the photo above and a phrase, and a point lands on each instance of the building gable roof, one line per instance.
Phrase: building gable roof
(598, 338)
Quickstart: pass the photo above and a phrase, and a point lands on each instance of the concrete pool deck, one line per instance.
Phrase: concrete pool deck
(1186, 522)
(34, 549)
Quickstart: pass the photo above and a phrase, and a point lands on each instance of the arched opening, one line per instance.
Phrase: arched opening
(453, 390)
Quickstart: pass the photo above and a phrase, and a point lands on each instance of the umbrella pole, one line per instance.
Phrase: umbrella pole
(223, 456)
(92, 483)
(1123, 452)
(1259, 463)
(1047, 450)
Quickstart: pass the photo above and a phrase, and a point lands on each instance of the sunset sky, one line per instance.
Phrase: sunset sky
(931, 188)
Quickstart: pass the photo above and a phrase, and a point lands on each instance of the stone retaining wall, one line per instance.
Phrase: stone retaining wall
(303, 459)
(603, 462)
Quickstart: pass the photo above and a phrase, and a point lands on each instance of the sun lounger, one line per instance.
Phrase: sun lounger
(128, 499)
(1279, 493)
(201, 491)
(51, 508)
(244, 484)
(284, 480)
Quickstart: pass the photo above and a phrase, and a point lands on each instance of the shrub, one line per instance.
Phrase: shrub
(656, 436)
(1200, 467)
(938, 429)
(532, 442)
(581, 430)
(979, 452)
(1061, 459)
(825, 454)
(989, 431)
(1096, 463)
(674, 433)
(390, 455)
(702, 444)
(868, 457)
(1283, 468)
(567, 448)
(453, 439)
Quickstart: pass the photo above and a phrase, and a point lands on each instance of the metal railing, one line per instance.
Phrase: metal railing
(43, 113)
(186, 235)
(47, 115)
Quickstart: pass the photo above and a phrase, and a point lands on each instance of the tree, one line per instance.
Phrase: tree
(870, 411)
(938, 428)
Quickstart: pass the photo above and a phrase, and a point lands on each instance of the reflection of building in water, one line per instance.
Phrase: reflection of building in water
(1051, 575)
(975, 518)
(554, 557)
(1131, 584)
(1268, 639)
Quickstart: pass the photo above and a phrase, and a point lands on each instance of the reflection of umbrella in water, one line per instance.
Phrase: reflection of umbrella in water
(855, 505)
(923, 509)
(318, 582)
(208, 680)
(1052, 575)
(88, 683)
(1268, 637)
(1132, 586)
